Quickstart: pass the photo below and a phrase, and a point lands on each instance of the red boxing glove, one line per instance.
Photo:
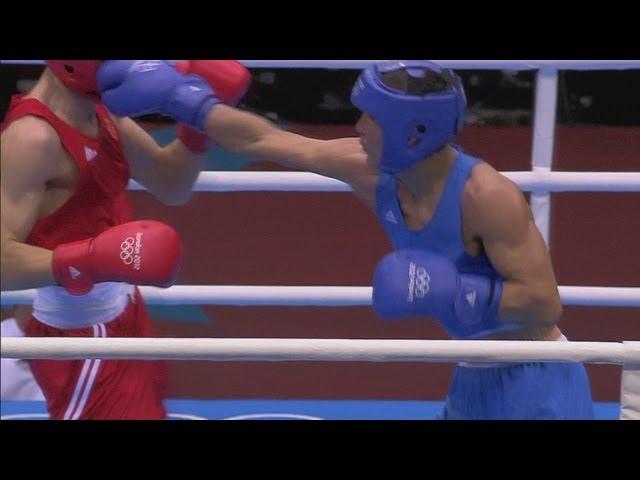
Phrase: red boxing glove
(230, 81)
(141, 253)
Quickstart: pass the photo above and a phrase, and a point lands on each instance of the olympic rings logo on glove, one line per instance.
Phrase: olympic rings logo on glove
(419, 282)
(423, 281)
(126, 251)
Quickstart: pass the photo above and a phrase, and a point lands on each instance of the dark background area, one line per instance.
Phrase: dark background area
(495, 97)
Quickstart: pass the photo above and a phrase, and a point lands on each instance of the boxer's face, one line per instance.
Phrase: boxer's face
(370, 138)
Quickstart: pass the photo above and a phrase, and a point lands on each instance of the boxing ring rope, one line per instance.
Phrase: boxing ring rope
(541, 180)
(303, 296)
(626, 354)
(320, 350)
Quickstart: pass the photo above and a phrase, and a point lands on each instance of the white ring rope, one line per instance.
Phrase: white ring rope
(320, 350)
(456, 64)
(538, 181)
(245, 296)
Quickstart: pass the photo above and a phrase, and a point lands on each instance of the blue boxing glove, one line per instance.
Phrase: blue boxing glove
(140, 87)
(416, 283)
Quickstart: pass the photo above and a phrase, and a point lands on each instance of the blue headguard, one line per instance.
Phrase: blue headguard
(414, 126)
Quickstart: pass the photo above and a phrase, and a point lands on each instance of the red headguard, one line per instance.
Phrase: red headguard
(80, 76)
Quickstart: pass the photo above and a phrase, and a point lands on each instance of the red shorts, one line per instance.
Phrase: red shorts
(95, 389)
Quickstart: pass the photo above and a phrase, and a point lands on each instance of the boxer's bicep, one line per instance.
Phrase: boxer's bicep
(31, 152)
(502, 219)
(509, 235)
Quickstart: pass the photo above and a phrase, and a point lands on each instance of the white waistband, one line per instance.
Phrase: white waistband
(55, 307)
(561, 338)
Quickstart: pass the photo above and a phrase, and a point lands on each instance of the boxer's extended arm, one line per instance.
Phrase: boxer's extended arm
(254, 136)
(169, 173)
(137, 87)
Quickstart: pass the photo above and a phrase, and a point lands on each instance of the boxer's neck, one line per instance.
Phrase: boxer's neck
(74, 109)
(422, 178)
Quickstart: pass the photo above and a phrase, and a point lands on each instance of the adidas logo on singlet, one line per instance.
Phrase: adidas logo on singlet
(89, 153)
(390, 217)
(75, 273)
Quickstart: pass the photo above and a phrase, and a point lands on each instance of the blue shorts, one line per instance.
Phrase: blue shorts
(529, 391)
